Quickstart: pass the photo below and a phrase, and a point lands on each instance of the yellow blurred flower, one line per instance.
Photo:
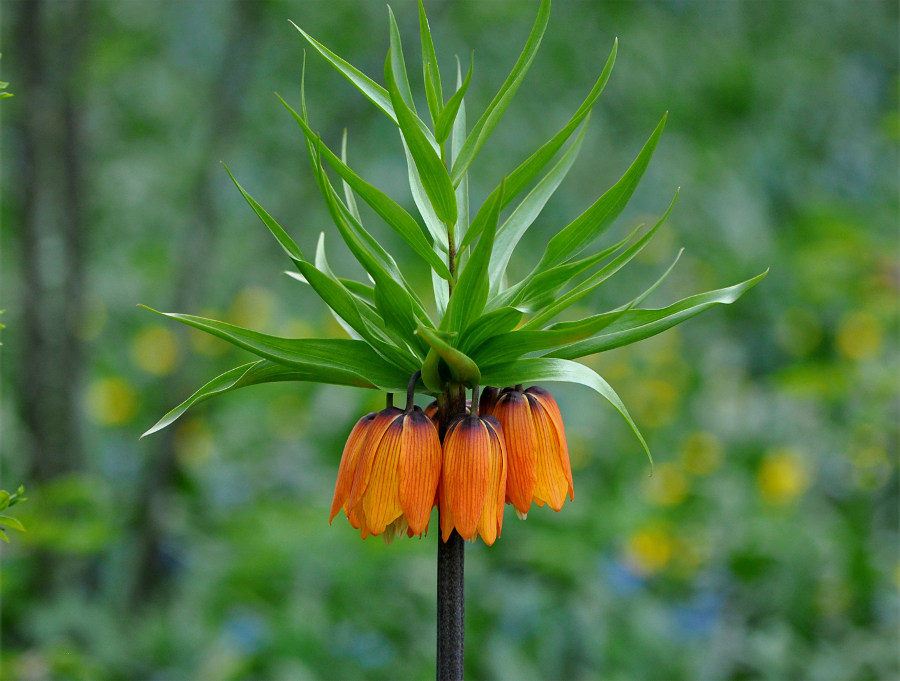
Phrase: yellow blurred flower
(650, 549)
(205, 343)
(859, 336)
(154, 349)
(111, 401)
(701, 453)
(252, 308)
(193, 442)
(782, 477)
(668, 486)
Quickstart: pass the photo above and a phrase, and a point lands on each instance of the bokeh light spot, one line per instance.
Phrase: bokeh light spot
(111, 401)
(155, 350)
(859, 336)
(782, 477)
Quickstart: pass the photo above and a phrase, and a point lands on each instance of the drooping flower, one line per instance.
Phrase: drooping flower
(393, 465)
(538, 455)
(473, 479)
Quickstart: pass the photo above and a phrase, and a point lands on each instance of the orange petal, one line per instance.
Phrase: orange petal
(465, 472)
(491, 521)
(547, 401)
(514, 414)
(347, 468)
(552, 483)
(445, 515)
(381, 500)
(374, 433)
(419, 468)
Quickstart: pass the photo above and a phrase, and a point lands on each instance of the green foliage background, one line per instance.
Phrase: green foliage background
(765, 546)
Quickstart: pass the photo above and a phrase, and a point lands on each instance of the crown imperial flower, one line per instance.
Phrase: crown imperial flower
(389, 473)
(473, 478)
(536, 447)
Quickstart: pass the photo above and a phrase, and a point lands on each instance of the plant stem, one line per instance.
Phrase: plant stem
(450, 569)
(450, 608)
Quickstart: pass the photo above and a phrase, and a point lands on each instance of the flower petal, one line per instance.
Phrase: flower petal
(419, 468)
(349, 461)
(374, 434)
(466, 468)
(381, 501)
(552, 483)
(552, 408)
(513, 412)
(491, 521)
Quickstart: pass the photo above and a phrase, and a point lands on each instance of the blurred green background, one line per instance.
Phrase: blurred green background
(765, 545)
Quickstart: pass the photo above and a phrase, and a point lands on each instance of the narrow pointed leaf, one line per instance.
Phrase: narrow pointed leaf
(278, 232)
(349, 198)
(639, 324)
(389, 210)
(509, 346)
(471, 291)
(509, 234)
(537, 291)
(398, 64)
(372, 90)
(431, 170)
(495, 323)
(430, 65)
(489, 119)
(433, 223)
(572, 239)
(443, 126)
(264, 371)
(592, 282)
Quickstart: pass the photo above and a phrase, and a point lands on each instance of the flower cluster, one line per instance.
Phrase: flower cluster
(508, 448)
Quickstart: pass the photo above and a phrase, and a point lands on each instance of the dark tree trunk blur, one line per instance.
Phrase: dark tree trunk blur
(53, 236)
(161, 475)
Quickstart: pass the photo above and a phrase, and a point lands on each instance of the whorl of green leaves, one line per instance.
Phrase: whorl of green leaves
(479, 327)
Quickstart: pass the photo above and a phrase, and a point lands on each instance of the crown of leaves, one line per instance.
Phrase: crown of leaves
(480, 327)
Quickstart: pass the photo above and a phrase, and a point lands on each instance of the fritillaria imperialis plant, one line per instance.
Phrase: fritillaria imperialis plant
(468, 453)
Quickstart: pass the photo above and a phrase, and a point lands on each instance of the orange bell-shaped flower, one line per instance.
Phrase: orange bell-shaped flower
(473, 480)
(538, 455)
(389, 473)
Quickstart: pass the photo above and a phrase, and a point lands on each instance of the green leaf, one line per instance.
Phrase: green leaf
(509, 346)
(462, 368)
(4, 499)
(596, 279)
(2, 533)
(9, 521)
(572, 239)
(541, 369)
(372, 90)
(349, 198)
(393, 300)
(323, 266)
(441, 294)
(278, 232)
(457, 139)
(389, 210)
(433, 224)
(489, 119)
(494, 323)
(539, 290)
(430, 68)
(639, 324)
(398, 65)
(443, 126)
(527, 211)
(338, 354)
(264, 371)
(471, 291)
(432, 172)
(522, 176)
